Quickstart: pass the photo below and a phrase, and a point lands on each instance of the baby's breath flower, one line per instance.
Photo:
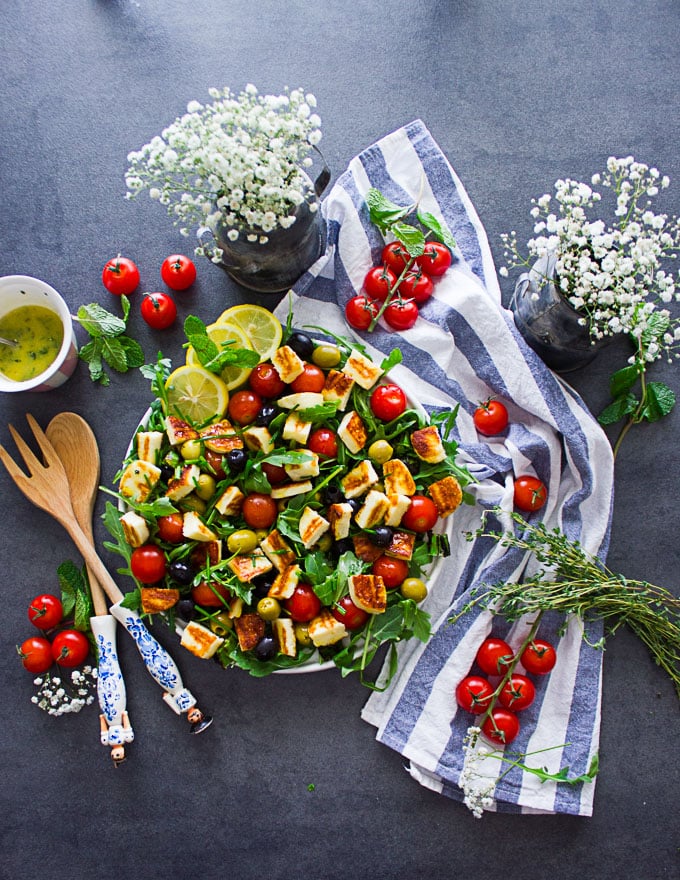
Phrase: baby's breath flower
(55, 696)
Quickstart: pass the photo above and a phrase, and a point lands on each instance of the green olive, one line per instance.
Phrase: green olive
(302, 634)
(380, 451)
(205, 486)
(326, 356)
(221, 623)
(193, 502)
(413, 588)
(325, 543)
(190, 450)
(268, 608)
(242, 541)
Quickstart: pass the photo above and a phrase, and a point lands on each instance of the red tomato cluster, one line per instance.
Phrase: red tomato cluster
(477, 695)
(402, 281)
(69, 647)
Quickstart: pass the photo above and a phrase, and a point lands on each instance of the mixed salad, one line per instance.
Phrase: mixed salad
(297, 521)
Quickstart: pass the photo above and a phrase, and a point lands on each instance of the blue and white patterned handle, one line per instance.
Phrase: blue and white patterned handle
(116, 729)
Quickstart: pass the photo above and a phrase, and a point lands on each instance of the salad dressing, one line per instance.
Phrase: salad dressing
(39, 334)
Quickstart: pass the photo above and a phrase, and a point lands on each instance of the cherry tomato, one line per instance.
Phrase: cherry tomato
(388, 402)
(312, 378)
(502, 726)
(518, 692)
(170, 528)
(36, 654)
(120, 276)
(395, 257)
(275, 473)
(178, 272)
(530, 493)
(265, 381)
(324, 442)
(304, 604)
(360, 311)
(421, 515)
(216, 462)
(348, 613)
(45, 611)
(393, 571)
(494, 656)
(148, 563)
(244, 406)
(158, 310)
(379, 282)
(417, 286)
(474, 694)
(70, 647)
(213, 595)
(539, 657)
(435, 259)
(490, 417)
(401, 314)
(259, 510)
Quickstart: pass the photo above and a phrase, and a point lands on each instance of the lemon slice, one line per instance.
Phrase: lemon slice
(262, 328)
(196, 394)
(221, 333)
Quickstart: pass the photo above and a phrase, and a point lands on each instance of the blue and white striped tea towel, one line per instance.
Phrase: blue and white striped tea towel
(463, 349)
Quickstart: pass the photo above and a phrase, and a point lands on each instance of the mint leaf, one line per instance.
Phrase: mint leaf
(430, 222)
(623, 380)
(71, 582)
(98, 322)
(114, 354)
(107, 344)
(133, 351)
(659, 401)
(619, 409)
(382, 211)
(413, 239)
(83, 611)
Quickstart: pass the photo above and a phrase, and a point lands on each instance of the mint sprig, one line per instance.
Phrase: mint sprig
(108, 343)
(212, 356)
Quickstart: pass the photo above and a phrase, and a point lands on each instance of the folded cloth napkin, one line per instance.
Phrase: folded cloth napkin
(463, 349)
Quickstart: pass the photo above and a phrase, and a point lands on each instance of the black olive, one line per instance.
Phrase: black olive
(333, 495)
(186, 609)
(261, 586)
(265, 648)
(382, 537)
(266, 415)
(302, 344)
(236, 459)
(341, 546)
(167, 473)
(181, 572)
(355, 504)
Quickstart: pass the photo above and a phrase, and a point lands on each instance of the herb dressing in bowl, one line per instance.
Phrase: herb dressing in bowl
(38, 333)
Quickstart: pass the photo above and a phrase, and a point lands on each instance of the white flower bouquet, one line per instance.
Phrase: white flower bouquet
(238, 162)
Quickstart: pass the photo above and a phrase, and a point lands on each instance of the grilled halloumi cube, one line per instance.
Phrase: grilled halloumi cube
(149, 445)
(135, 529)
(288, 490)
(179, 487)
(287, 364)
(138, 480)
(338, 388)
(296, 429)
(365, 549)
(397, 507)
(397, 478)
(372, 511)
(362, 369)
(446, 494)
(207, 552)
(179, 431)
(308, 466)
(301, 400)
(194, 529)
(368, 592)
(277, 551)
(352, 432)
(401, 546)
(324, 629)
(340, 517)
(249, 629)
(155, 599)
(285, 582)
(427, 444)
(312, 527)
(251, 565)
(284, 633)
(230, 501)
(258, 439)
(359, 479)
(200, 640)
(221, 437)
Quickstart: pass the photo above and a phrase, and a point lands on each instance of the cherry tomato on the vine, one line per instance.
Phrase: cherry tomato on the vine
(502, 726)
(265, 381)
(517, 693)
(70, 647)
(435, 259)
(348, 613)
(312, 378)
(494, 656)
(170, 528)
(393, 571)
(158, 310)
(259, 510)
(421, 515)
(244, 406)
(539, 657)
(36, 654)
(388, 402)
(379, 282)
(474, 694)
(360, 311)
(178, 272)
(45, 611)
(120, 276)
(417, 286)
(395, 256)
(324, 442)
(490, 417)
(530, 493)
(148, 563)
(303, 605)
(401, 314)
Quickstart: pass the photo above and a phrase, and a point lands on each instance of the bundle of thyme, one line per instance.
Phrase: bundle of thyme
(573, 582)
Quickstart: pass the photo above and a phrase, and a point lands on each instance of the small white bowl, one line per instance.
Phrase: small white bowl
(22, 290)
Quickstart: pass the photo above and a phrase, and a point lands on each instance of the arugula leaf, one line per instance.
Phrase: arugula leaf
(393, 358)
(132, 600)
